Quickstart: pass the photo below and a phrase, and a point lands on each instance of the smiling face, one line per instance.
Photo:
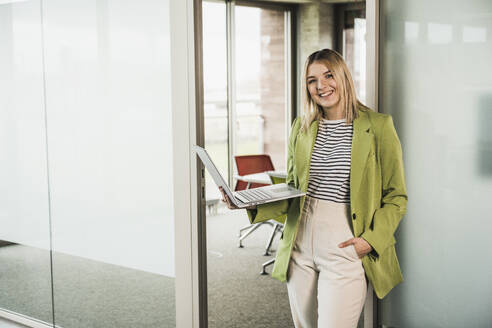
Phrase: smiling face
(323, 88)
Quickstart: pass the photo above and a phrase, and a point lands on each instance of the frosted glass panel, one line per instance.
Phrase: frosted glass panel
(110, 158)
(437, 83)
(25, 273)
(109, 113)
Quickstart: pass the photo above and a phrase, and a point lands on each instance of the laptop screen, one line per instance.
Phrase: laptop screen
(212, 169)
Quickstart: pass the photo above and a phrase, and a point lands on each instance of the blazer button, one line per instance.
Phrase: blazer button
(353, 216)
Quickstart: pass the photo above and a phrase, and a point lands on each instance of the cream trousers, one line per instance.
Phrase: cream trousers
(326, 284)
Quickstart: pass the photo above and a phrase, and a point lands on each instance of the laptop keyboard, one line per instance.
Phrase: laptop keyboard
(253, 194)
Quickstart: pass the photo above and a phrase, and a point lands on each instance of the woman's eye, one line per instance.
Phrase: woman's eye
(328, 76)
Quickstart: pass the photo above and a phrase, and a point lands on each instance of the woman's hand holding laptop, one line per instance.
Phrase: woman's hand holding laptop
(230, 205)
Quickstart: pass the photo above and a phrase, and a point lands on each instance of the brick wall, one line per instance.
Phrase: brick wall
(315, 31)
(272, 82)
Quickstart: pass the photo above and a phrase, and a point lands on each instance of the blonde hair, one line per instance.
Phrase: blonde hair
(335, 63)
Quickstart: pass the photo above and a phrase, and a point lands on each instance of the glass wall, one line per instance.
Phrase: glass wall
(437, 83)
(108, 81)
(87, 210)
(25, 269)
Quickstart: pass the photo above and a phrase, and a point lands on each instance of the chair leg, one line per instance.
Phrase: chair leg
(245, 228)
(253, 228)
(263, 267)
(270, 240)
(250, 230)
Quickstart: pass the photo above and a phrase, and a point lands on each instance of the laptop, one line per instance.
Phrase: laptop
(248, 197)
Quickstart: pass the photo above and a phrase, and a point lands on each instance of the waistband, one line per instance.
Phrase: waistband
(333, 214)
(316, 202)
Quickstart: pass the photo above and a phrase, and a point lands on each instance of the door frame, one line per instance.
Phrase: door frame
(371, 317)
(186, 100)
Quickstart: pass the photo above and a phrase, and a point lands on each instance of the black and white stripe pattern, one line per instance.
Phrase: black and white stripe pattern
(329, 174)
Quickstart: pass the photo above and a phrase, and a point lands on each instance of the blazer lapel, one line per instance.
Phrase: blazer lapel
(304, 151)
(361, 145)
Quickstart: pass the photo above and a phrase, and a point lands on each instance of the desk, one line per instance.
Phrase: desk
(277, 174)
(263, 177)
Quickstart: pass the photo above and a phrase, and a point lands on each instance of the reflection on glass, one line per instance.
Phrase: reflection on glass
(439, 33)
(474, 34)
(439, 93)
(411, 31)
(25, 269)
(261, 113)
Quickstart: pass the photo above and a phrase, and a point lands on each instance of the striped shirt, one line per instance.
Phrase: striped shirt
(329, 174)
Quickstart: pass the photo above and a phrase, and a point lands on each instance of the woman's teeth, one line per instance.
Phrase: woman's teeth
(326, 94)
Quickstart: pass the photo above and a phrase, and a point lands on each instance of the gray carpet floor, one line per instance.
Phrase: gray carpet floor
(87, 293)
(91, 294)
(238, 295)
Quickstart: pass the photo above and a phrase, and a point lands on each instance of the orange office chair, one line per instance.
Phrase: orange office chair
(249, 164)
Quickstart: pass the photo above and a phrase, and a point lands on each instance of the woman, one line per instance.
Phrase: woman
(348, 160)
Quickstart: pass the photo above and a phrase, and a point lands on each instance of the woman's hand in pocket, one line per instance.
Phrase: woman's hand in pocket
(230, 204)
(362, 247)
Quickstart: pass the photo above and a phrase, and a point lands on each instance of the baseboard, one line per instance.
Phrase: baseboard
(25, 320)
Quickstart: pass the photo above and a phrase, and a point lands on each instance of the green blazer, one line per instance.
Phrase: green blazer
(378, 195)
